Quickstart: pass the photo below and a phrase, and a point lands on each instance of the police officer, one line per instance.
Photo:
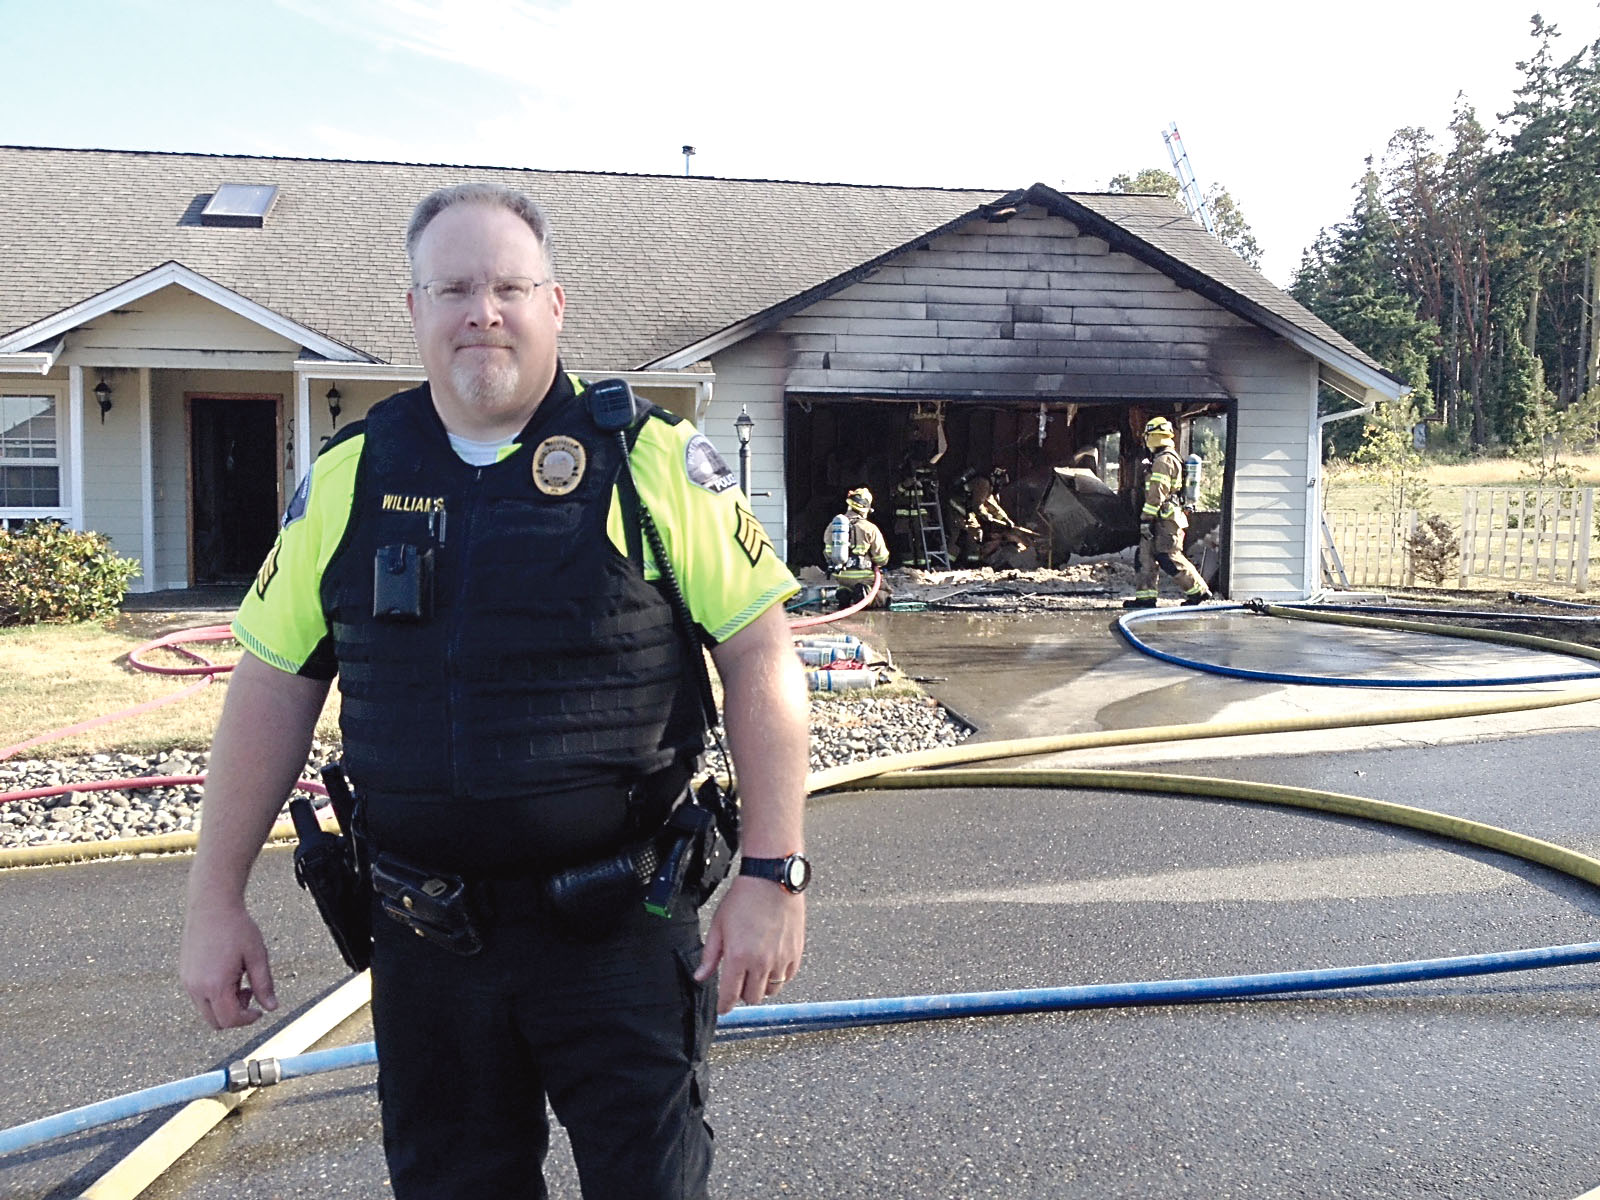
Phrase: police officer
(515, 704)
(1162, 522)
(854, 548)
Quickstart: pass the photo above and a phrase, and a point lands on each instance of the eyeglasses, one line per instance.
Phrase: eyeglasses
(509, 289)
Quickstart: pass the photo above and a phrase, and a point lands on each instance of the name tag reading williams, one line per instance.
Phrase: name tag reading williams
(558, 465)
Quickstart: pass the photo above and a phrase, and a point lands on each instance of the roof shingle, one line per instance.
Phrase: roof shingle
(650, 263)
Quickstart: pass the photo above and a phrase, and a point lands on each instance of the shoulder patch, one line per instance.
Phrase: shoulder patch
(298, 502)
(752, 538)
(705, 466)
(269, 569)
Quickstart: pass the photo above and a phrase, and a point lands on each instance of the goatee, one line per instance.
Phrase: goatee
(486, 387)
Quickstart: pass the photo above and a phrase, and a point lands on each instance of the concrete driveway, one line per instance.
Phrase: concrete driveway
(1476, 1088)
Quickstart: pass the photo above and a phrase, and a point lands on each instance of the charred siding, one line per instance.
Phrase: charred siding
(1030, 307)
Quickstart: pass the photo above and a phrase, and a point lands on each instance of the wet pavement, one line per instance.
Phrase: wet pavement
(1480, 1088)
(1059, 673)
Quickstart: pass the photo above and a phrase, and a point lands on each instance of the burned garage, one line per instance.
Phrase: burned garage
(1018, 347)
(1027, 342)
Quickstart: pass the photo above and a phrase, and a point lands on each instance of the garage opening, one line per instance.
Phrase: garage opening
(899, 448)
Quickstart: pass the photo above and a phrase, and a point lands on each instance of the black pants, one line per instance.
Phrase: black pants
(613, 1031)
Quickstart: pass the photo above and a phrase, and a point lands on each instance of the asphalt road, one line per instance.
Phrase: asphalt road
(1477, 1088)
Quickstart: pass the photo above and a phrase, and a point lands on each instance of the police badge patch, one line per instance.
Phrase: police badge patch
(558, 465)
(705, 467)
(752, 538)
(298, 502)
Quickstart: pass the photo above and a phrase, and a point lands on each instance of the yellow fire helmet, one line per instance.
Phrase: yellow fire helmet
(1157, 430)
(859, 500)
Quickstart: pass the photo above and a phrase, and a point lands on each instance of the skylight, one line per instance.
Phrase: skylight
(239, 205)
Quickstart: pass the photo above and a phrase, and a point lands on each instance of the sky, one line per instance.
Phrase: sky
(1280, 103)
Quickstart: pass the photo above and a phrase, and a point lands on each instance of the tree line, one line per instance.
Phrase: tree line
(1469, 266)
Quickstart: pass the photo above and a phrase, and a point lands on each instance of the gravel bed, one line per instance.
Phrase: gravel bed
(843, 729)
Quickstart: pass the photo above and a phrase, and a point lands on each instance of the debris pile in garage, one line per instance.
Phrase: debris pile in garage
(1083, 583)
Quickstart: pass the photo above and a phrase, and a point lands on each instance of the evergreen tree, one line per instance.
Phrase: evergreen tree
(1580, 174)
(1525, 187)
(1543, 271)
(1352, 281)
(1446, 247)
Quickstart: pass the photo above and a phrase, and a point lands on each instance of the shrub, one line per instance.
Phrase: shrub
(1388, 456)
(1435, 549)
(50, 574)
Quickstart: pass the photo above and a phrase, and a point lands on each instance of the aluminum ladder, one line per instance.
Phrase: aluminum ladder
(924, 521)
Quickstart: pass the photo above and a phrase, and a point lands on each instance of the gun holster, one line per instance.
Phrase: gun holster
(328, 866)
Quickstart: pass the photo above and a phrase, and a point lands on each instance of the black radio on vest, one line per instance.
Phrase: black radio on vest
(612, 404)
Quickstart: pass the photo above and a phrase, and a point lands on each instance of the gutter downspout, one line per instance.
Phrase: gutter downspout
(1365, 408)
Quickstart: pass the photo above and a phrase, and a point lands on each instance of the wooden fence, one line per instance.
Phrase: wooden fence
(1373, 548)
(1540, 537)
(1527, 535)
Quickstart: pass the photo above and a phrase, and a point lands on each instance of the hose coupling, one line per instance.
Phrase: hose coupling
(254, 1073)
(1258, 605)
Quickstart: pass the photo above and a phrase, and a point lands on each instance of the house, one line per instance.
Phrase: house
(179, 333)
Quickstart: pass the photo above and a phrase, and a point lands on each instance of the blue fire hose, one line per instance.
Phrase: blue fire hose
(1339, 614)
(776, 1020)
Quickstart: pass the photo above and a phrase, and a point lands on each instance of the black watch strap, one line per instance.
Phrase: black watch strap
(792, 873)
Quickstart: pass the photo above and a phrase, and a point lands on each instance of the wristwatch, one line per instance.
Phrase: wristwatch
(792, 874)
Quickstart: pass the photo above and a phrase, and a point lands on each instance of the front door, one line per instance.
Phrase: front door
(235, 465)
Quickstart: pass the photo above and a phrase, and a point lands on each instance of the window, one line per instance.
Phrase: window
(30, 456)
(239, 205)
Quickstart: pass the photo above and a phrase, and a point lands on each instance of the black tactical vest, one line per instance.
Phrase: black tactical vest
(543, 677)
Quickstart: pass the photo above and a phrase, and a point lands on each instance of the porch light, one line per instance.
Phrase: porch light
(102, 395)
(334, 407)
(744, 425)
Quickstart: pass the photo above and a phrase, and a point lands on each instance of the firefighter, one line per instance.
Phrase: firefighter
(853, 548)
(1162, 522)
(982, 527)
(912, 520)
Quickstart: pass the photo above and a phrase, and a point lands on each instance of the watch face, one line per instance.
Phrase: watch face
(796, 873)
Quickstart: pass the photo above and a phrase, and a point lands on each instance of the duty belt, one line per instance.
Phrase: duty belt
(684, 861)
